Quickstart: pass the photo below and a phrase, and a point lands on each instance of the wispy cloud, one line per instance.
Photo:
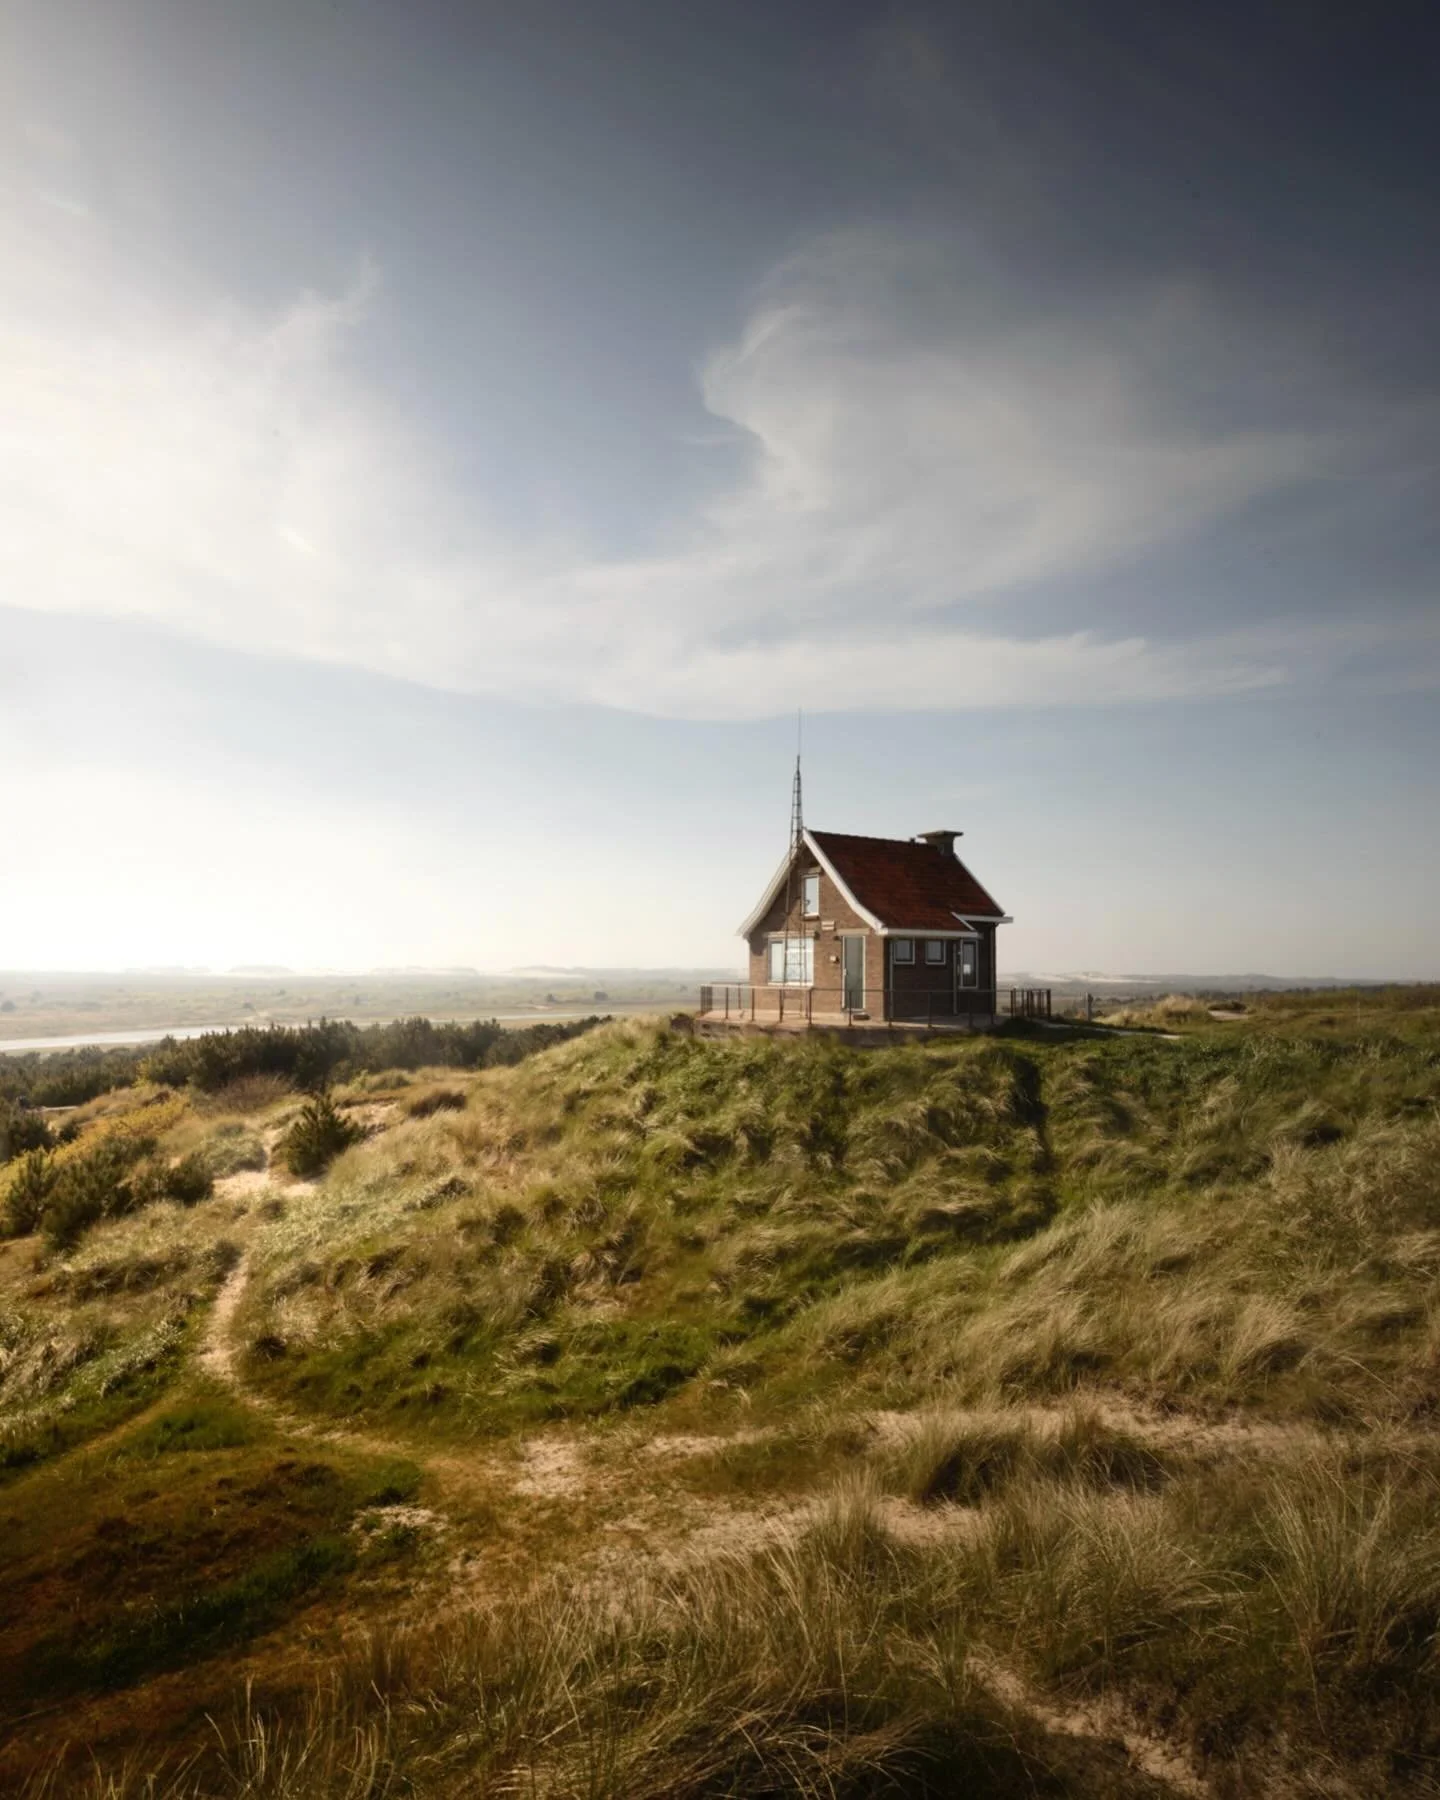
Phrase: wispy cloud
(922, 455)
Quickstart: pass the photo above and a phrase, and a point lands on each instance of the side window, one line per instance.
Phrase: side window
(795, 969)
(969, 963)
(811, 904)
(902, 950)
(934, 950)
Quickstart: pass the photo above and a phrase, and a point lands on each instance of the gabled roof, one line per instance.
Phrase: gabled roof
(895, 884)
(904, 886)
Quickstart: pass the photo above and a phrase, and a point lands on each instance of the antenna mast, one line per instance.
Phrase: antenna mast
(797, 810)
(793, 925)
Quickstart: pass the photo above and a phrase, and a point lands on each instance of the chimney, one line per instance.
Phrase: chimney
(944, 841)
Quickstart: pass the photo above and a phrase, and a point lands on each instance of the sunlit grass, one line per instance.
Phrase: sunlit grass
(1109, 1361)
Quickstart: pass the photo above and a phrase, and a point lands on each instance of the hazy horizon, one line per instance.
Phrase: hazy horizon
(738, 969)
(444, 447)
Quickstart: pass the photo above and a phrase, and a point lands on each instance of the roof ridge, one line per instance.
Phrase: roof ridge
(864, 837)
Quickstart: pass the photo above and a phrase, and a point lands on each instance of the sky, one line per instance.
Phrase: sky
(442, 446)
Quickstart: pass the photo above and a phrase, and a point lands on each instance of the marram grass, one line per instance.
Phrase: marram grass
(1098, 1370)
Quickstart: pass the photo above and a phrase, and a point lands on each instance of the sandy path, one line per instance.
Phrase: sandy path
(1099, 1723)
(217, 1348)
(553, 1468)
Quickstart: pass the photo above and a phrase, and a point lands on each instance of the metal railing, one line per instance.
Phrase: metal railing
(744, 1002)
(1030, 1003)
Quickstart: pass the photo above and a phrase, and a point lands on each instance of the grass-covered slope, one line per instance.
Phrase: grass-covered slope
(1040, 1413)
(646, 1217)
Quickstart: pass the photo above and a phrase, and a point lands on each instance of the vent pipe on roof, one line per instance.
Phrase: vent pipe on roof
(944, 841)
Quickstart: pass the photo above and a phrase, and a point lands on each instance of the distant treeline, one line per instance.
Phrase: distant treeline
(307, 1056)
(67, 1077)
(311, 1056)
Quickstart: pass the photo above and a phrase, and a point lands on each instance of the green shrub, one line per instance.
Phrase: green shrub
(66, 1077)
(185, 1183)
(317, 1137)
(311, 1056)
(22, 1130)
(25, 1197)
(103, 1183)
(189, 1181)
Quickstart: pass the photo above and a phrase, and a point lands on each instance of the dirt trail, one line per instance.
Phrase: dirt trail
(555, 1468)
(217, 1348)
(673, 1530)
(219, 1358)
(1163, 1762)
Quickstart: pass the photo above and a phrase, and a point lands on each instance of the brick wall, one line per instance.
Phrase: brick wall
(837, 918)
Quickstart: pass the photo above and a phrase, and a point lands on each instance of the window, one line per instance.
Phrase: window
(934, 950)
(902, 950)
(792, 962)
(969, 963)
(810, 906)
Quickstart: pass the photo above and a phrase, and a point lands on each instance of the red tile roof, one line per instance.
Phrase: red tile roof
(907, 886)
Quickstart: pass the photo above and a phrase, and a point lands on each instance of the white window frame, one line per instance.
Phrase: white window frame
(972, 979)
(809, 883)
(935, 952)
(801, 961)
(902, 950)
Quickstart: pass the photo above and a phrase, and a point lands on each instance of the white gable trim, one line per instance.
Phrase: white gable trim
(777, 881)
(829, 868)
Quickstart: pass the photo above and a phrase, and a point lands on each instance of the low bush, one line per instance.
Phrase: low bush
(99, 1184)
(22, 1130)
(317, 1137)
(186, 1182)
(26, 1193)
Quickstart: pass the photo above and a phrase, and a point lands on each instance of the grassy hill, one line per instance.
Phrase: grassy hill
(1043, 1412)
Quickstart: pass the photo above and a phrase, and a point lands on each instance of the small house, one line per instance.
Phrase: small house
(888, 929)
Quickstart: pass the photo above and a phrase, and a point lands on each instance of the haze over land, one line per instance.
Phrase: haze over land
(46, 1008)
